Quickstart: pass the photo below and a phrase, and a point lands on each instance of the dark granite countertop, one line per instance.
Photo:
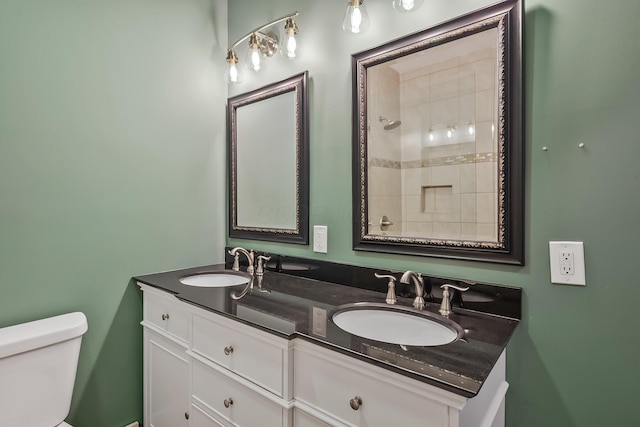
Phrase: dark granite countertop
(300, 307)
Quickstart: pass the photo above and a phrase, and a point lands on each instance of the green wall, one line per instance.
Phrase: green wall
(112, 148)
(573, 360)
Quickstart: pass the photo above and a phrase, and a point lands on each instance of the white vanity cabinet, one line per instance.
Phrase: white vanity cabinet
(202, 369)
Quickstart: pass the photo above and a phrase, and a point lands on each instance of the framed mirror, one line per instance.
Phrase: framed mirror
(268, 153)
(438, 140)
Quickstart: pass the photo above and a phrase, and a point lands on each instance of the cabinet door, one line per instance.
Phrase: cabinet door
(167, 382)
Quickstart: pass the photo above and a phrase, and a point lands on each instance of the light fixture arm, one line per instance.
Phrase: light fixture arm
(259, 29)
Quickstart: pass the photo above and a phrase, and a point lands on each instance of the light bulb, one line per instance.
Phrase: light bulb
(406, 5)
(232, 74)
(356, 19)
(449, 133)
(254, 61)
(470, 129)
(288, 42)
(430, 135)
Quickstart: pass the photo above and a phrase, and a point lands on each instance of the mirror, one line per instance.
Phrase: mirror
(437, 140)
(268, 146)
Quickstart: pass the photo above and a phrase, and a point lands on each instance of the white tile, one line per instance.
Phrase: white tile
(485, 101)
(487, 209)
(446, 175)
(486, 177)
(468, 178)
(468, 208)
(485, 74)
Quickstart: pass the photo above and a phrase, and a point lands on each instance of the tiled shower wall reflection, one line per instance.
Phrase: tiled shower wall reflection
(385, 154)
(443, 158)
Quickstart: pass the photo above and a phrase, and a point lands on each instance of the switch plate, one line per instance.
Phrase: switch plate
(320, 238)
(566, 260)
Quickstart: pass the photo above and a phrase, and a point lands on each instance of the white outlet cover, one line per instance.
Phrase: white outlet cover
(577, 250)
(320, 238)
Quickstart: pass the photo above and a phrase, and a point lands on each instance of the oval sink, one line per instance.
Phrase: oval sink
(396, 324)
(216, 279)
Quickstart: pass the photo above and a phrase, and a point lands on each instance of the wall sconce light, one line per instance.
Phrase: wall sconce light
(263, 45)
(406, 5)
(356, 19)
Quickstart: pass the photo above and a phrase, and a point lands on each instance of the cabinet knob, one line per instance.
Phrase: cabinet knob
(228, 402)
(355, 403)
(186, 415)
(228, 350)
(165, 316)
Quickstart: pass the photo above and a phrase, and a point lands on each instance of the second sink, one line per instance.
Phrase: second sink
(396, 324)
(216, 279)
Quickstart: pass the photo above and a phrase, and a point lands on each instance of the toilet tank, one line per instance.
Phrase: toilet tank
(38, 362)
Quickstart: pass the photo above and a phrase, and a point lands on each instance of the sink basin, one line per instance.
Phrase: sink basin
(216, 279)
(396, 324)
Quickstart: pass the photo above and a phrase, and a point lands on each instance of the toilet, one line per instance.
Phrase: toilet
(38, 362)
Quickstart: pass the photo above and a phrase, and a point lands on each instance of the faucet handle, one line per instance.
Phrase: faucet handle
(236, 261)
(445, 306)
(261, 264)
(391, 286)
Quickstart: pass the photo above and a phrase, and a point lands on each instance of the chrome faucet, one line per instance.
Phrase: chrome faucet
(248, 254)
(410, 276)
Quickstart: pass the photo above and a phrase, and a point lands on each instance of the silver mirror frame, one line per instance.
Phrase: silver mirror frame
(300, 233)
(506, 17)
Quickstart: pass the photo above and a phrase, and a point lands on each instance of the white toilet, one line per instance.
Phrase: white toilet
(38, 362)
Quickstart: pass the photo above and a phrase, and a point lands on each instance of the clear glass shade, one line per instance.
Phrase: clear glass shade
(356, 19)
(233, 73)
(255, 61)
(289, 43)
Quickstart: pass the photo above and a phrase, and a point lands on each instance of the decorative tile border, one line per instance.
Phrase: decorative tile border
(438, 161)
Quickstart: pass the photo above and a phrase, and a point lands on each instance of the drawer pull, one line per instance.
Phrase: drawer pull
(228, 402)
(228, 350)
(165, 317)
(355, 403)
(186, 415)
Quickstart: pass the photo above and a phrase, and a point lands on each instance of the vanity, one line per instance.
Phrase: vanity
(270, 354)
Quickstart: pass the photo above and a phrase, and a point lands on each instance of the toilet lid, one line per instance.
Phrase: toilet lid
(64, 425)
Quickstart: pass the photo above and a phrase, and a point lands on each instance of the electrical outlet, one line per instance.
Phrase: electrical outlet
(567, 265)
(320, 238)
(566, 260)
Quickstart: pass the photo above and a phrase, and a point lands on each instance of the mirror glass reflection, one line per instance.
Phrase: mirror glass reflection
(432, 146)
(266, 196)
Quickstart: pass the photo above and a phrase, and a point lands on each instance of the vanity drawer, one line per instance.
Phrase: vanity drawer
(166, 313)
(255, 355)
(331, 383)
(231, 401)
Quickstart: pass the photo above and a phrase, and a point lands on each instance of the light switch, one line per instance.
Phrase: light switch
(320, 238)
